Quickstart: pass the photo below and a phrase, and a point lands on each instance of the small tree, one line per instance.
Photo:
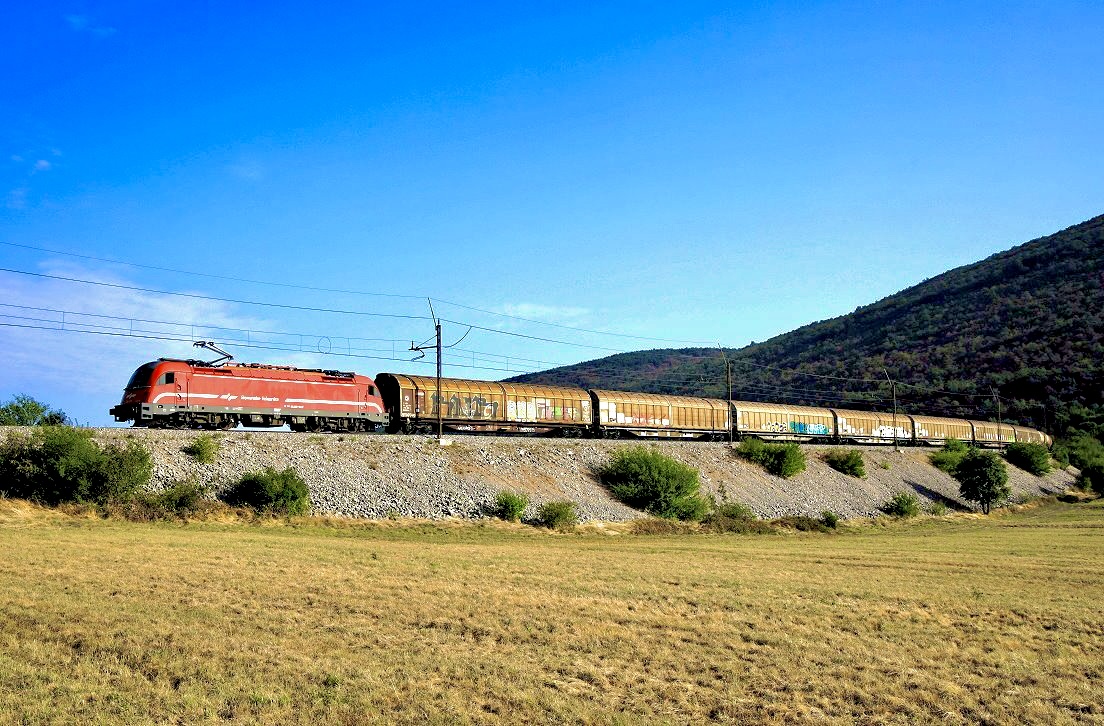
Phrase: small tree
(782, 460)
(948, 458)
(279, 492)
(848, 462)
(55, 464)
(646, 479)
(558, 515)
(509, 506)
(25, 411)
(902, 504)
(1092, 477)
(203, 449)
(1030, 457)
(983, 479)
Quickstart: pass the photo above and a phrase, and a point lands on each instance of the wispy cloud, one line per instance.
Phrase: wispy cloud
(77, 361)
(26, 164)
(17, 198)
(248, 170)
(85, 24)
(544, 313)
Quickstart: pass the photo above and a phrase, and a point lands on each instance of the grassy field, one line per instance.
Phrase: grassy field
(954, 620)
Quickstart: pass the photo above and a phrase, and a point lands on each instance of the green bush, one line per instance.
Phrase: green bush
(557, 515)
(955, 446)
(656, 525)
(181, 500)
(727, 525)
(1092, 477)
(733, 510)
(735, 518)
(849, 462)
(937, 509)
(26, 411)
(983, 479)
(829, 519)
(801, 523)
(278, 492)
(1079, 450)
(948, 458)
(902, 504)
(1034, 458)
(509, 506)
(55, 464)
(782, 460)
(646, 479)
(203, 449)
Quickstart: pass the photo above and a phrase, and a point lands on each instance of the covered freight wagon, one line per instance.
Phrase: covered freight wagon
(487, 406)
(623, 414)
(936, 430)
(779, 421)
(872, 426)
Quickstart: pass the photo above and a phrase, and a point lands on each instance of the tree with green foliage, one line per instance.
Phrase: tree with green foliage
(55, 464)
(983, 479)
(1034, 458)
(948, 458)
(784, 460)
(1092, 477)
(647, 479)
(278, 492)
(202, 448)
(509, 506)
(558, 514)
(903, 505)
(849, 462)
(23, 410)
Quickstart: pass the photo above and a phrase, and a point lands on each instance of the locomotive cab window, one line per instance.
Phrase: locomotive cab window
(371, 390)
(141, 377)
(166, 378)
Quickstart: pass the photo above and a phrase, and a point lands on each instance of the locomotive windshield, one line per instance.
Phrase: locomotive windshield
(141, 377)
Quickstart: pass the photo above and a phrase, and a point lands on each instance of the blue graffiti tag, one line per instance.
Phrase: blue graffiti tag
(799, 427)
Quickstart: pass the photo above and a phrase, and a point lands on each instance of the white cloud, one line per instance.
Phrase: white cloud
(84, 24)
(248, 170)
(42, 165)
(16, 158)
(544, 313)
(17, 199)
(75, 362)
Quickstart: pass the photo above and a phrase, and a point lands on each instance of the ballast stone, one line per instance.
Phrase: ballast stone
(380, 476)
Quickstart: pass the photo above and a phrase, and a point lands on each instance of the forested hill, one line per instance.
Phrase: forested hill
(1027, 323)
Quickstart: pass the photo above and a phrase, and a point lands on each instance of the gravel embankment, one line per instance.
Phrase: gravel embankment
(412, 476)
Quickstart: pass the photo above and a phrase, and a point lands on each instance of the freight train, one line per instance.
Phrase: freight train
(174, 393)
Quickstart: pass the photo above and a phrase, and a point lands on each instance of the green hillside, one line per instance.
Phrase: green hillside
(1027, 323)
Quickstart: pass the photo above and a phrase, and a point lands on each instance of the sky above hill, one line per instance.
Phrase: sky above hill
(304, 175)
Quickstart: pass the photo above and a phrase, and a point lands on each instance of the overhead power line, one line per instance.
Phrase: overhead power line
(196, 296)
(254, 346)
(292, 286)
(209, 275)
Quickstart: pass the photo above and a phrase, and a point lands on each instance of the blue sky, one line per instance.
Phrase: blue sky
(686, 171)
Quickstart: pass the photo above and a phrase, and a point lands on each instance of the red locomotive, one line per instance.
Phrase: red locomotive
(172, 393)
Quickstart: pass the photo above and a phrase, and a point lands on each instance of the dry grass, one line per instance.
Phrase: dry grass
(957, 619)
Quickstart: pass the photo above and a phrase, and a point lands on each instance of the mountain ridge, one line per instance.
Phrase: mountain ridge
(1026, 323)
